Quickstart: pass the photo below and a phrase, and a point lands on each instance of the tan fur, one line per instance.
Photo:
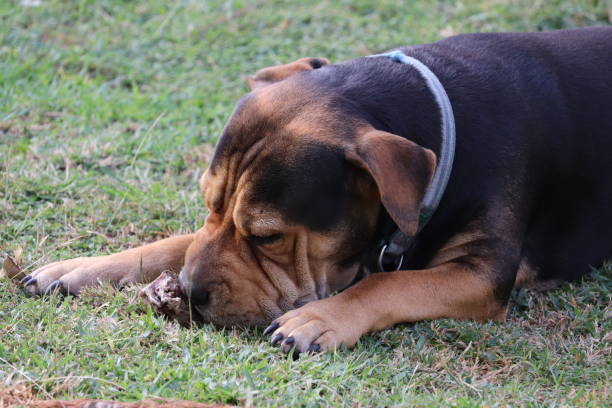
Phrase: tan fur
(277, 73)
(527, 277)
(458, 246)
(402, 170)
(262, 283)
(136, 265)
(384, 299)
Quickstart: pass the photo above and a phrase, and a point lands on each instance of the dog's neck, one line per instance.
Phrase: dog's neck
(402, 105)
(389, 96)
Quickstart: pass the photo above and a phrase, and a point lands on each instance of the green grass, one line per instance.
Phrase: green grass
(108, 110)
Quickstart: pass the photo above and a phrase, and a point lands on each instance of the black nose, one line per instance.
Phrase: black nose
(197, 294)
(199, 297)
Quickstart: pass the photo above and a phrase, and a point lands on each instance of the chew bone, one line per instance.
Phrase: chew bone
(166, 297)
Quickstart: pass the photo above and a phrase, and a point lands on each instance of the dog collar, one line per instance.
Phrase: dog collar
(399, 244)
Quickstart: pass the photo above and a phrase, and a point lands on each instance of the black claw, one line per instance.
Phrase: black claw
(25, 279)
(270, 328)
(314, 348)
(55, 285)
(289, 340)
(31, 281)
(276, 339)
(296, 354)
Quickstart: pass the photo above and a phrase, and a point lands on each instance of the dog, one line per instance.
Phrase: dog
(320, 165)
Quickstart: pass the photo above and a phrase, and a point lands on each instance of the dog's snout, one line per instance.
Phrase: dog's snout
(198, 296)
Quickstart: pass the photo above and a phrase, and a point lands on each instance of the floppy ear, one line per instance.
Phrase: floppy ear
(402, 171)
(267, 76)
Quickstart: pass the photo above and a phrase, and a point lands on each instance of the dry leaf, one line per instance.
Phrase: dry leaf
(52, 114)
(10, 269)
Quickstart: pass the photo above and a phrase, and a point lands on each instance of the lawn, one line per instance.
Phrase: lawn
(108, 113)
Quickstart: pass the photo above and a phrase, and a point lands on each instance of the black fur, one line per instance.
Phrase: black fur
(533, 162)
(534, 140)
(310, 191)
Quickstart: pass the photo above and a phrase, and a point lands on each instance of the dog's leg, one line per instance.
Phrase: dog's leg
(137, 265)
(465, 289)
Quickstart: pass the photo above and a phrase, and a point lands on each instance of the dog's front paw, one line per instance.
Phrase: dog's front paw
(318, 326)
(65, 277)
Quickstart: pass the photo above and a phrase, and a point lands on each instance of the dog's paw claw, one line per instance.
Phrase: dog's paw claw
(28, 280)
(318, 326)
(276, 339)
(314, 348)
(270, 328)
(55, 286)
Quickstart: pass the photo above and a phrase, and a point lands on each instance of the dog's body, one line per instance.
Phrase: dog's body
(320, 163)
(534, 126)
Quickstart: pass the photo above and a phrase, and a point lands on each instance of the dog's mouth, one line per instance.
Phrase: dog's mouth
(234, 320)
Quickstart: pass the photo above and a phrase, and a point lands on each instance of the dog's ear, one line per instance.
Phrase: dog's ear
(267, 76)
(402, 171)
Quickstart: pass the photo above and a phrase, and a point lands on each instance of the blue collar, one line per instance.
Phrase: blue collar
(399, 243)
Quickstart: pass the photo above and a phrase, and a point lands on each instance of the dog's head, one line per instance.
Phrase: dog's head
(294, 193)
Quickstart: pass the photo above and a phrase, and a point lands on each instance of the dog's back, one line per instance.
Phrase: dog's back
(557, 86)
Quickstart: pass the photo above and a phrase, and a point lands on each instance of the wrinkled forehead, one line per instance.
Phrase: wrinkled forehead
(306, 186)
(282, 148)
(304, 183)
(298, 107)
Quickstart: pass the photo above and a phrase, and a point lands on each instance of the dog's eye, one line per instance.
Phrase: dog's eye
(259, 240)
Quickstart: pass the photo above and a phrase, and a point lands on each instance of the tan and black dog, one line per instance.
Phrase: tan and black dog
(320, 163)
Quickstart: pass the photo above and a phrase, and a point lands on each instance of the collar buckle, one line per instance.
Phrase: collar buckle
(381, 259)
